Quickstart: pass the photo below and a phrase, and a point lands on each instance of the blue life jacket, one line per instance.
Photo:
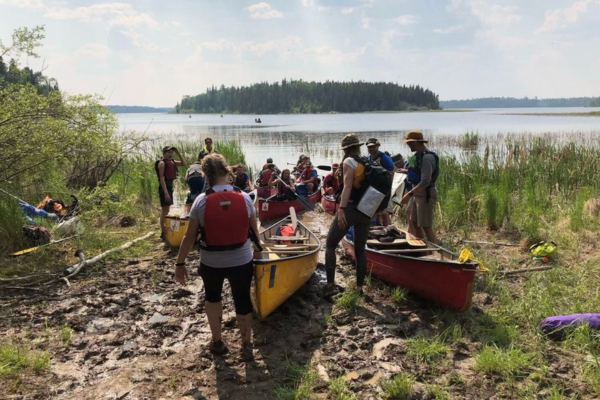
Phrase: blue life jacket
(414, 168)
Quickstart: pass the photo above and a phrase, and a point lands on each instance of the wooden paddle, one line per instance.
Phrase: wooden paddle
(305, 203)
(32, 249)
(294, 219)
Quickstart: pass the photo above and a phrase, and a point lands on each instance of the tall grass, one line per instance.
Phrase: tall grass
(528, 182)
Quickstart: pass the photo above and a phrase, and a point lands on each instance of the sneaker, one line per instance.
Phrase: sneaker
(218, 347)
(330, 290)
(246, 352)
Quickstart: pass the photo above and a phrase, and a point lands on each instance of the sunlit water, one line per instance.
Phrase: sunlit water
(284, 137)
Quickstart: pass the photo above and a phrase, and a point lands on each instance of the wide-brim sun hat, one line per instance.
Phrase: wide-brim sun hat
(350, 140)
(397, 158)
(414, 136)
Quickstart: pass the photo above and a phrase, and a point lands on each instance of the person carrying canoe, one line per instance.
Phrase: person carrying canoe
(208, 147)
(353, 175)
(196, 182)
(423, 172)
(241, 179)
(331, 182)
(385, 161)
(267, 171)
(166, 171)
(284, 185)
(225, 218)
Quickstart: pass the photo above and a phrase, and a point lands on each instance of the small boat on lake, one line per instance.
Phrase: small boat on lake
(272, 209)
(283, 268)
(426, 269)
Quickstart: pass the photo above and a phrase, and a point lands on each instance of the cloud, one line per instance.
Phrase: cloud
(31, 4)
(407, 19)
(448, 30)
(113, 13)
(263, 11)
(314, 5)
(94, 50)
(365, 22)
(561, 18)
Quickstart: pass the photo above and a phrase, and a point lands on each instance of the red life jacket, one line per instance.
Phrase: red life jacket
(330, 181)
(306, 174)
(226, 223)
(170, 169)
(286, 230)
(265, 176)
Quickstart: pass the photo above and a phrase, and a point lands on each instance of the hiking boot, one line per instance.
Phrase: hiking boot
(330, 290)
(246, 352)
(218, 347)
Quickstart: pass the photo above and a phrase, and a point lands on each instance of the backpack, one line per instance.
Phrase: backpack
(376, 177)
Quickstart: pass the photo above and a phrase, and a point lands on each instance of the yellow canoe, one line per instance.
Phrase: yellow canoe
(283, 268)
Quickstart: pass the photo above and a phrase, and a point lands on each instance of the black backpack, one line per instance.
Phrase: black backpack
(377, 177)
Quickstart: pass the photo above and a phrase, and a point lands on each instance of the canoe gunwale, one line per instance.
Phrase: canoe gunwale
(307, 253)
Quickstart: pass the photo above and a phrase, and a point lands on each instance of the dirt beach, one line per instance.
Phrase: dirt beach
(138, 335)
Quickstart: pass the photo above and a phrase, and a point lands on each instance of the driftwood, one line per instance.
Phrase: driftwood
(492, 243)
(525, 270)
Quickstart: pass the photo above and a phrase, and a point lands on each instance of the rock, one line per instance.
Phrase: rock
(353, 331)
(158, 319)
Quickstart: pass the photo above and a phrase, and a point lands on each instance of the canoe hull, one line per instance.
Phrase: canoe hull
(265, 192)
(279, 209)
(330, 207)
(278, 278)
(444, 283)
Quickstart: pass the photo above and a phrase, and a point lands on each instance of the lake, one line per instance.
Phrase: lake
(284, 137)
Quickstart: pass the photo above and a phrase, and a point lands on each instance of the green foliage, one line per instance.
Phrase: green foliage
(11, 220)
(470, 140)
(398, 388)
(14, 359)
(437, 392)
(506, 363)
(398, 295)
(348, 300)
(297, 384)
(310, 97)
(426, 350)
(339, 391)
(594, 102)
(65, 334)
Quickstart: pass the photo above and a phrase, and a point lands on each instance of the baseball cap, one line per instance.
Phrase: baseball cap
(372, 142)
(167, 148)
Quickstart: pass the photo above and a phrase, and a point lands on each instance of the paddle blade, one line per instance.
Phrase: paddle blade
(324, 167)
(306, 204)
(26, 251)
(294, 218)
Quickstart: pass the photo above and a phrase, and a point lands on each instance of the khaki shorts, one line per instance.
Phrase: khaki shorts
(421, 211)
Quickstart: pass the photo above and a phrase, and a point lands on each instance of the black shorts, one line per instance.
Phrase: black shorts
(240, 279)
(161, 195)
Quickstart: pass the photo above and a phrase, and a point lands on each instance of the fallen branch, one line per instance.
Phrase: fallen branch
(525, 270)
(23, 278)
(492, 243)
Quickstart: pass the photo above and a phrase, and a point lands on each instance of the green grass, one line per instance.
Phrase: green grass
(470, 140)
(339, 391)
(426, 350)
(437, 392)
(65, 334)
(398, 295)
(348, 300)
(297, 383)
(503, 362)
(15, 359)
(398, 388)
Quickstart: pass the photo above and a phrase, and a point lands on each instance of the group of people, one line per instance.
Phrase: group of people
(302, 180)
(228, 253)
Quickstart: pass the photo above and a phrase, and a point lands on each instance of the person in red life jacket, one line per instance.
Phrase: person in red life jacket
(381, 158)
(284, 184)
(309, 178)
(267, 171)
(166, 171)
(331, 182)
(423, 171)
(241, 179)
(225, 218)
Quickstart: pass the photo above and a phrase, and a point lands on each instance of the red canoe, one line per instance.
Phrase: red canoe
(266, 191)
(430, 272)
(268, 210)
(329, 204)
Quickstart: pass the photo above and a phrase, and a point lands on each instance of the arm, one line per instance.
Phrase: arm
(427, 167)
(187, 175)
(272, 180)
(181, 162)
(186, 246)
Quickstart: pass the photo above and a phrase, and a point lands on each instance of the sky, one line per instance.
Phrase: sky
(153, 52)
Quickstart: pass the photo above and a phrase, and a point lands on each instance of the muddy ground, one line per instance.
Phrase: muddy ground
(139, 335)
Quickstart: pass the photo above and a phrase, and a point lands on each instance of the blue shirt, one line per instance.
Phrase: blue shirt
(384, 160)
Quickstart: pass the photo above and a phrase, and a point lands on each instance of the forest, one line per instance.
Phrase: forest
(511, 102)
(298, 96)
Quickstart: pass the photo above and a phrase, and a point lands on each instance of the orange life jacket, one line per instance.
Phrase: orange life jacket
(226, 223)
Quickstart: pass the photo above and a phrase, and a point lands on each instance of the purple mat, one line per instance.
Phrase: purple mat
(560, 322)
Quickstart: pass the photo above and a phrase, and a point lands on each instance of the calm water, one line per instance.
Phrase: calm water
(284, 137)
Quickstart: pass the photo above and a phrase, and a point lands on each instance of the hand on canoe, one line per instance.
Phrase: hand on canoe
(181, 274)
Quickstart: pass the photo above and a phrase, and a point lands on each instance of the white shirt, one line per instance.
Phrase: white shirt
(226, 258)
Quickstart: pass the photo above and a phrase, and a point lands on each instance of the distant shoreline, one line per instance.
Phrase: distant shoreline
(576, 114)
(336, 113)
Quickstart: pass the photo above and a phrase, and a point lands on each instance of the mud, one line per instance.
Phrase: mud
(139, 335)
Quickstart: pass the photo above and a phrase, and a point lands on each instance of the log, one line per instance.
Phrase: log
(525, 270)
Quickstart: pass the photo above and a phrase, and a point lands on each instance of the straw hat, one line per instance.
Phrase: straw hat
(414, 136)
(397, 158)
(350, 140)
